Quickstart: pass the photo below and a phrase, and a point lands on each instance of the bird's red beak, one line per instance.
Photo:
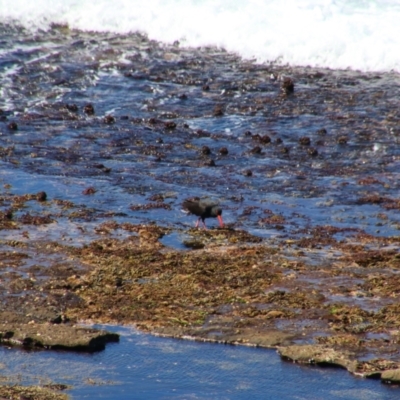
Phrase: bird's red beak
(221, 223)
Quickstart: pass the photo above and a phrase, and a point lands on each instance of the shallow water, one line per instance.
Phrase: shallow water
(147, 367)
(142, 168)
(136, 157)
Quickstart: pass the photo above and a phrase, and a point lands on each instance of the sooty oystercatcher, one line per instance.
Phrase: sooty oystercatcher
(203, 208)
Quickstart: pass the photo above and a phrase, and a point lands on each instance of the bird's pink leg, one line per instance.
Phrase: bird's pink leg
(198, 223)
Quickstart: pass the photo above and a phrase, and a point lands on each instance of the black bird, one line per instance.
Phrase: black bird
(203, 209)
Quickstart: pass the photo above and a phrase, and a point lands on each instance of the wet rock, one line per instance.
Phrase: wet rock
(266, 338)
(137, 76)
(322, 132)
(156, 122)
(98, 166)
(193, 244)
(88, 191)
(285, 150)
(71, 107)
(109, 119)
(158, 197)
(272, 220)
(342, 140)
(206, 88)
(102, 167)
(287, 86)
(31, 315)
(372, 198)
(223, 151)
(88, 109)
(12, 126)
(265, 139)
(150, 206)
(305, 141)
(55, 337)
(312, 151)
(41, 196)
(33, 392)
(209, 163)
(29, 219)
(262, 139)
(318, 354)
(205, 150)
(149, 237)
(369, 180)
(218, 111)
(6, 214)
(391, 376)
(247, 172)
(170, 125)
(256, 150)
(202, 133)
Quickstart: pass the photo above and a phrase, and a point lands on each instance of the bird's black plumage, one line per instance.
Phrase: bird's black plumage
(203, 208)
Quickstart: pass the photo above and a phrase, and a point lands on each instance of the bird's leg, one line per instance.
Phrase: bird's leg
(197, 223)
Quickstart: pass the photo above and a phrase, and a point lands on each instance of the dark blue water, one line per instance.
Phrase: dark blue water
(146, 367)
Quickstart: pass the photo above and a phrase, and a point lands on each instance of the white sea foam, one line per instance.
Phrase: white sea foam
(357, 34)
